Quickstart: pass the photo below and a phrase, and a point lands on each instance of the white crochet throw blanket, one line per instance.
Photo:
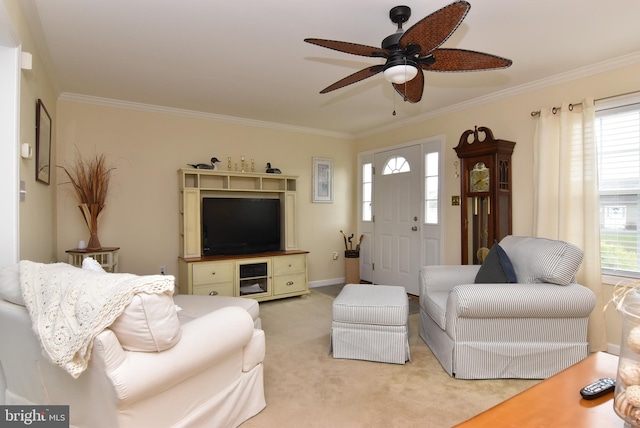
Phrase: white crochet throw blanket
(70, 306)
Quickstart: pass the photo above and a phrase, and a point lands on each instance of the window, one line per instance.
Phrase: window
(396, 165)
(367, 191)
(431, 188)
(618, 144)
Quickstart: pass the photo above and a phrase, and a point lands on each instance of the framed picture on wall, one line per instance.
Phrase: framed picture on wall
(43, 143)
(322, 180)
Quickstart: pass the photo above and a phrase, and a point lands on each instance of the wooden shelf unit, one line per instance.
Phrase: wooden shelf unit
(204, 179)
(220, 275)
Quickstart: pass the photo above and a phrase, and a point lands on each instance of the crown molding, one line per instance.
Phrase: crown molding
(615, 63)
(612, 64)
(150, 108)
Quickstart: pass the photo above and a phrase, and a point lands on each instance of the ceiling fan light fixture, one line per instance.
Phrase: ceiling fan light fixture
(400, 73)
(410, 52)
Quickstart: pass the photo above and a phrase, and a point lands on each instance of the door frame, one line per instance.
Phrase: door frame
(367, 228)
(10, 51)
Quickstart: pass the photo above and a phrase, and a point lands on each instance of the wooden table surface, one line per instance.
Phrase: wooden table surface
(556, 401)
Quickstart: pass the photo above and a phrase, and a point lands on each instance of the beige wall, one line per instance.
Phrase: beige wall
(37, 212)
(147, 149)
(509, 119)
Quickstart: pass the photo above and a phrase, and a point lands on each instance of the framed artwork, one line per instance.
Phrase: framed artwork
(322, 180)
(43, 144)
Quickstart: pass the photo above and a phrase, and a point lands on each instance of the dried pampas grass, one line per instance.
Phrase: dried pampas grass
(90, 180)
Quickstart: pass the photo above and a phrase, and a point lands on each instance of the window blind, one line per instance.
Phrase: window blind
(618, 144)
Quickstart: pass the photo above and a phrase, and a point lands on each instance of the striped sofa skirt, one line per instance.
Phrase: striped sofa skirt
(371, 322)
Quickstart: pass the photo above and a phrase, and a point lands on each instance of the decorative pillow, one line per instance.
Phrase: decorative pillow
(496, 268)
(506, 264)
(149, 324)
(10, 289)
(543, 260)
(89, 263)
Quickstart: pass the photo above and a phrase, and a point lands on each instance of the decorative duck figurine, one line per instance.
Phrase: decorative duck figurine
(214, 160)
(272, 170)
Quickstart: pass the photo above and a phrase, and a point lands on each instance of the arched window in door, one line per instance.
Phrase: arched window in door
(396, 165)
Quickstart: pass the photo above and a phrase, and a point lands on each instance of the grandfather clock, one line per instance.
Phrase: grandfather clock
(485, 201)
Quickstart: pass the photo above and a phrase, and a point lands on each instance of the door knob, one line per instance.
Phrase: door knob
(414, 228)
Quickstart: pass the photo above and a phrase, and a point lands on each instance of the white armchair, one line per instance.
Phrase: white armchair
(531, 329)
(212, 376)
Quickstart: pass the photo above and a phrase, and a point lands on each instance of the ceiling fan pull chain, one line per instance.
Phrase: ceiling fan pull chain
(394, 104)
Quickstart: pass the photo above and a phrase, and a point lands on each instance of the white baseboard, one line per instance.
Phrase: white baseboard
(613, 349)
(332, 281)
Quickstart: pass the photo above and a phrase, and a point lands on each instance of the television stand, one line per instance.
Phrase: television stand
(263, 276)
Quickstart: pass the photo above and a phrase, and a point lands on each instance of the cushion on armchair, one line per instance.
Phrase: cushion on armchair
(542, 260)
(10, 285)
(496, 268)
(148, 324)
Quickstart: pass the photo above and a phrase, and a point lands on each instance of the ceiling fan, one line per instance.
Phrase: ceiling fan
(409, 52)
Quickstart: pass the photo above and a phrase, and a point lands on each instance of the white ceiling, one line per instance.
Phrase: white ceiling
(247, 59)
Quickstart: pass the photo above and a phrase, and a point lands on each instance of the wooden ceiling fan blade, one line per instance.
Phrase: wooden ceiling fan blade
(452, 60)
(353, 78)
(350, 48)
(433, 30)
(412, 90)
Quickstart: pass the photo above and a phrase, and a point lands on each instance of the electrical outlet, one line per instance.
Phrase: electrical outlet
(162, 270)
(335, 255)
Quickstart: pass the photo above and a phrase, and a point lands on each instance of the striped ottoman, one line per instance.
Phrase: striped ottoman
(371, 322)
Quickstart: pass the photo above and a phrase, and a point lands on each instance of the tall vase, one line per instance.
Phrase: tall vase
(91, 215)
(626, 401)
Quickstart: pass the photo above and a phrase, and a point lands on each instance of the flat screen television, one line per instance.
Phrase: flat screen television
(232, 226)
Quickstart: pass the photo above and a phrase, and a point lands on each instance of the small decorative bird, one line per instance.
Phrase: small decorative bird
(214, 160)
(272, 170)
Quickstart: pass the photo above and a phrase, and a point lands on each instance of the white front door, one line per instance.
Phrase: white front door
(397, 218)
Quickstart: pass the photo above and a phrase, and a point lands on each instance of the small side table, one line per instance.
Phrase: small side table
(106, 256)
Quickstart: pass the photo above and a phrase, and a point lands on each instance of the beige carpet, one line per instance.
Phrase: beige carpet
(306, 387)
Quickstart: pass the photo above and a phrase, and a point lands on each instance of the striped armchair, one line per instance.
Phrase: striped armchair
(531, 329)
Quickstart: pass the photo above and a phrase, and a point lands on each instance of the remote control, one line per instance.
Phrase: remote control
(598, 388)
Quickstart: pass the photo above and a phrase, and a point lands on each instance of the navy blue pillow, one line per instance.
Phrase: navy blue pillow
(506, 264)
(496, 268)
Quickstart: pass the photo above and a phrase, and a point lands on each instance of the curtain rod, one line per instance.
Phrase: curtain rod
(555, 109)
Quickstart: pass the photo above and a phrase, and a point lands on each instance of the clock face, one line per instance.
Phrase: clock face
(479, 178)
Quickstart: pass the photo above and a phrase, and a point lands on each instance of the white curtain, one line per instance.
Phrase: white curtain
(566, 201)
